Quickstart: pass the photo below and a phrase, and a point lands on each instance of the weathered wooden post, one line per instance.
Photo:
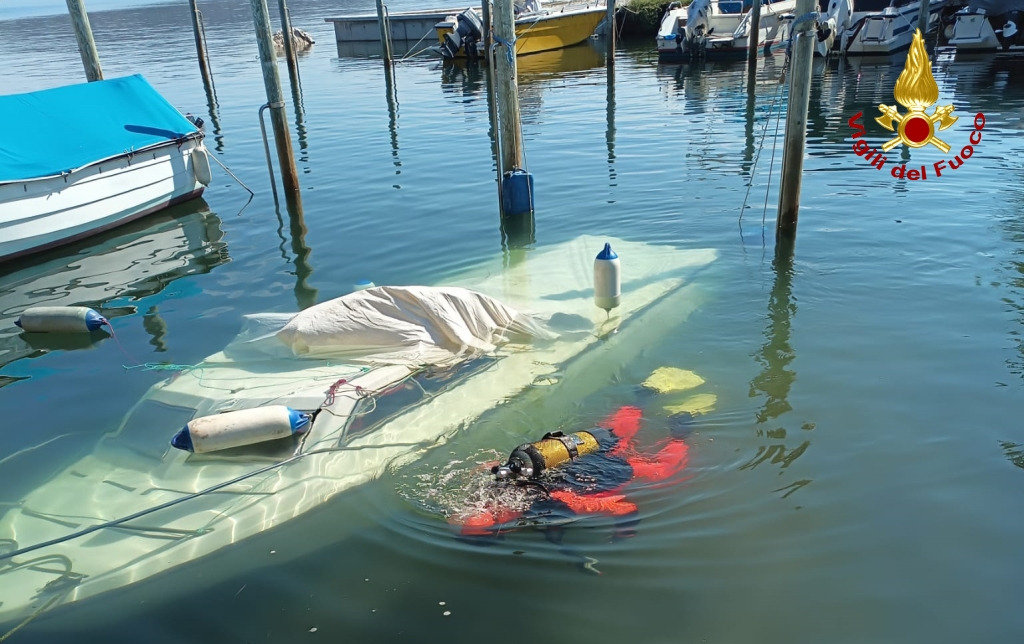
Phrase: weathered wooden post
(516, 184)
(385, 32)
(485, 14)
(754, 37)
(86, 45)
(922, 18)
(796, 120)
(610, 19)
(197, 31)
(289, 46)
(275, 100)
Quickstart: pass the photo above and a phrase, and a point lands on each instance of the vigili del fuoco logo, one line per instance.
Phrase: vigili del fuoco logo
(917, 91)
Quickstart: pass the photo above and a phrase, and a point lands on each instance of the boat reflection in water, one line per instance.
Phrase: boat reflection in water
(134, 261)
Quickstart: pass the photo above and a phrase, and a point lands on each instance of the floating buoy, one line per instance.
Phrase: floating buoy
(607, 282)
(201, 166)
(60, 319)
(517, 193)
(237, 428)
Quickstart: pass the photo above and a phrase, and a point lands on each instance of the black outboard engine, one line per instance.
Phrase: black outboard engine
(1010, 35)
(467, 33)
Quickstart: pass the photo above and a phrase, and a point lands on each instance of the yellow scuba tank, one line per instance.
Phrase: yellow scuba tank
(555, 448)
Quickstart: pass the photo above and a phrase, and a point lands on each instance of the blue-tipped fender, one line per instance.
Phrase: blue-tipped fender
(60, 319)
(238, 428)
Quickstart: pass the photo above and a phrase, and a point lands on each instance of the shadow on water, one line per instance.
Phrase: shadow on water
(132, 262)
(776, 378)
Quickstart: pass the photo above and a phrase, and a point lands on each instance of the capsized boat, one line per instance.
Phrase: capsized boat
(989, 25)
(81, 159)
(537, 29)
(720, 28)
(379, 397)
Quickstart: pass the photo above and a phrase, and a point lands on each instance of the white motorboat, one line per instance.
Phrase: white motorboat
(877, 27)
(989, 25)
(80, 159)
(380, 395)
(720, 28)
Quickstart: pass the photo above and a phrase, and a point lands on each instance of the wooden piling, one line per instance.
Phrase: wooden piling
(385, 32)
(796, 120)
(289, 46)
(922, 18)
(485, 14)
(755, 36)
(197, 31)
(510, 133)
(610, 19)
(275, 100)
(86, 45)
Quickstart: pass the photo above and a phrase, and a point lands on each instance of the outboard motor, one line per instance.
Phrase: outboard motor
(467, 32)
(1010, 34)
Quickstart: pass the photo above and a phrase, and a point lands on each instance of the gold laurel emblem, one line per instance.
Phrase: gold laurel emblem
(916, 90)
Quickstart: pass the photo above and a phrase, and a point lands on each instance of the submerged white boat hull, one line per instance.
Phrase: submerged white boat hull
(38, 214)
(136, 507)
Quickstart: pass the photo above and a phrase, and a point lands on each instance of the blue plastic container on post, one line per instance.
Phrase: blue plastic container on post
(517, 192)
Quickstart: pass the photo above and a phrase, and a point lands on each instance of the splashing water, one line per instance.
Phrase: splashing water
(462, 488)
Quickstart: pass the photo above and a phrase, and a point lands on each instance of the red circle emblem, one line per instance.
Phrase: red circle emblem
(918, 129)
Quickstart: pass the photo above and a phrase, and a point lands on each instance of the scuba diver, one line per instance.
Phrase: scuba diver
(565, 476)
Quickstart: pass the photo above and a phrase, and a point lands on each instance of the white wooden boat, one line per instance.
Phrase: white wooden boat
(135, 507)
(989, 25)
(720, 28)
(81, 159)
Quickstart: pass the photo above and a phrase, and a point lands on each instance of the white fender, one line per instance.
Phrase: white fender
(60, 319)
(237, 428)
(201, 166)
(607, 281)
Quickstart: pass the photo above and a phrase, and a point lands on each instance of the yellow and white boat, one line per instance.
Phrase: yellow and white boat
(536, 29)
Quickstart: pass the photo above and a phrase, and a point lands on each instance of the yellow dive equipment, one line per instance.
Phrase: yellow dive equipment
(531, 459)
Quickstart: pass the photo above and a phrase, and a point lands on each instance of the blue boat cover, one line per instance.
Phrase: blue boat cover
(58, 130)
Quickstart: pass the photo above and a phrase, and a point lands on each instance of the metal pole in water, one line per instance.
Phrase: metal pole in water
(922, 18)
(289, 47)
(517, 185)
(796, 120)
(86, 45)
(754, 35)
(385, 32)
(197, 30)
(275, 100)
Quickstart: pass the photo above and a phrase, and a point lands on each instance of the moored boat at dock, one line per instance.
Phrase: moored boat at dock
(86, 158)
(720, 28)
(537, 29)
(989, 25)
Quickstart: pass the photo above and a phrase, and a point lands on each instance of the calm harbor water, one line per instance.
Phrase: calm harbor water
(859, 479)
